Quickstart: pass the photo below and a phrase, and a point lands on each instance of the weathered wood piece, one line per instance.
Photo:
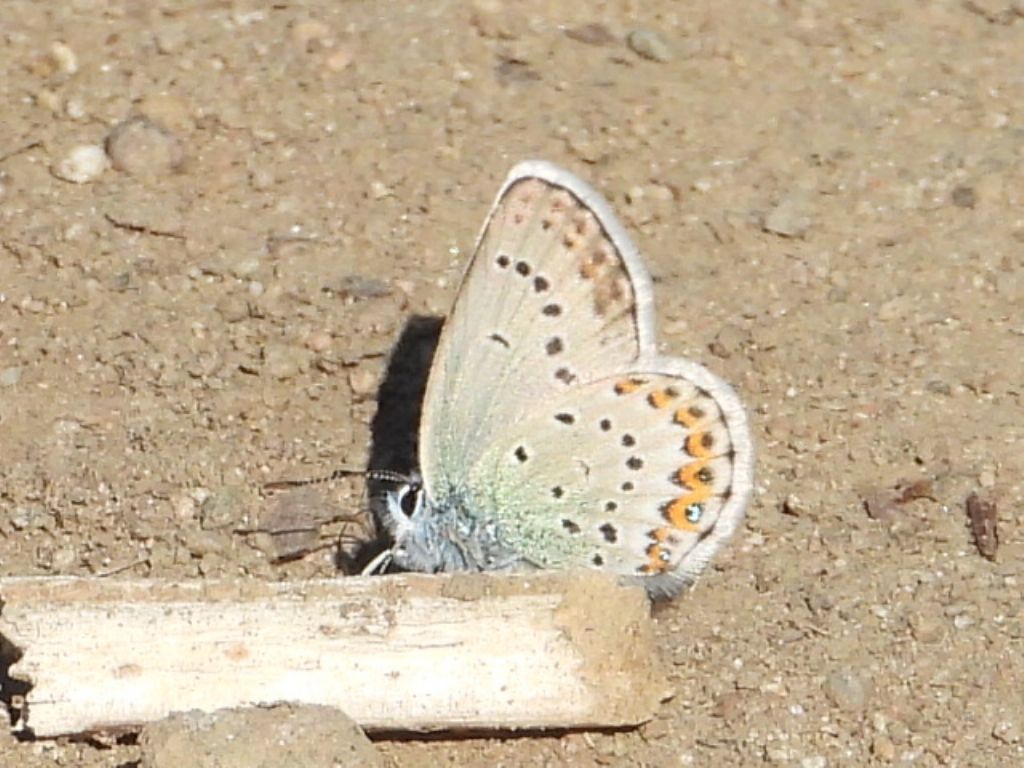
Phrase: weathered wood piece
(402, 653)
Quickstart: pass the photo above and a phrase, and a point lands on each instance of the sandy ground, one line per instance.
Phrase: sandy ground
(829, 195)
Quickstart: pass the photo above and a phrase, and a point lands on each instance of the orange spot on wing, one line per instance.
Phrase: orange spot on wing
(655, 563)
(676, 511)
(696, 445)
(688, 475)
(684, 417)
(660, 398)
(690, 416)
(628, 386)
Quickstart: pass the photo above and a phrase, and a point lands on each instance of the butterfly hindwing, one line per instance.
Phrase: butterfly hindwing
(643, 473)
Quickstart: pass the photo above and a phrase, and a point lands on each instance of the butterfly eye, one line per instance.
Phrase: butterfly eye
(409, 499)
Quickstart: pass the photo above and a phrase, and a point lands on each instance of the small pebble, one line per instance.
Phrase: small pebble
(926, 628)
(883, 748)
(233, 308)
(591, 34)
(792, 505)
(379, 190)
(339, 59)
(10, 376)
(497, 19)
(139, 147)
(83, 164)
(204, 364)
(964, 197)
(283, 362)
(363, 287)
(262, 178)
(963, 621)
(293, 522)
(363, 382)
(585, 148)
(75, 109)
(202, 543)
(649, 45)
(318, 341)
(730, 705)
(64, 58)
(730, 340)
(48, 100)
(983, 516)
(183, 507)
(789, 218)
(847, 690)
(222, 508)
(64, 558)
(245, 267)
(1007, 731)
(938, 387)
(657, 729)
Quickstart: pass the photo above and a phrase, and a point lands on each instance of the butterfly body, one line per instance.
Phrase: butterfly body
(451, 534)
(553, 435)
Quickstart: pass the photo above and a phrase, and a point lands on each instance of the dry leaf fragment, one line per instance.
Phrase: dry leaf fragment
(982, 514)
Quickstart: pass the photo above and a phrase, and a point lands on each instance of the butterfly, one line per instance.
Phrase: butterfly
(553, 435)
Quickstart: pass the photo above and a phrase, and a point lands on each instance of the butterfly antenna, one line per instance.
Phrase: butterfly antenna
(384, 475)
(389, 476)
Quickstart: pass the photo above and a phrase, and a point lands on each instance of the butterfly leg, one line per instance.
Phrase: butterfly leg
(379, 563)
(515, 563)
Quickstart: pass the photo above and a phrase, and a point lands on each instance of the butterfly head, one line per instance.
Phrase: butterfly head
(431, 536)
(421, 542)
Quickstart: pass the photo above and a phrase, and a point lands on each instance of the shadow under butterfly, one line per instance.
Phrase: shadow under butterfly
(295, 524)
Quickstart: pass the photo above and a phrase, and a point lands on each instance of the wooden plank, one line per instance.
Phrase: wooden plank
(398, 653)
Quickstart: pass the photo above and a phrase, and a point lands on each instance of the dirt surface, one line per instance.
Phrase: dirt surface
(216, 219)
(310, 737)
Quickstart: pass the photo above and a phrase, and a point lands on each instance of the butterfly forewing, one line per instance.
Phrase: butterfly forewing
(554, 296)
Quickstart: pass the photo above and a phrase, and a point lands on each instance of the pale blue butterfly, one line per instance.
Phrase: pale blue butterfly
(553, 435)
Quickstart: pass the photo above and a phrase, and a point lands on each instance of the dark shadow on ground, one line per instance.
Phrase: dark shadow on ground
(395, 427)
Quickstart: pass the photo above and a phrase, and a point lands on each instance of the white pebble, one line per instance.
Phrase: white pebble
(789, 218)
(83, 164)
(339, 59)
(64, 57)
(648, 44)
(75, 109)
(963, 621)
(10, 376)
(379, 190)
